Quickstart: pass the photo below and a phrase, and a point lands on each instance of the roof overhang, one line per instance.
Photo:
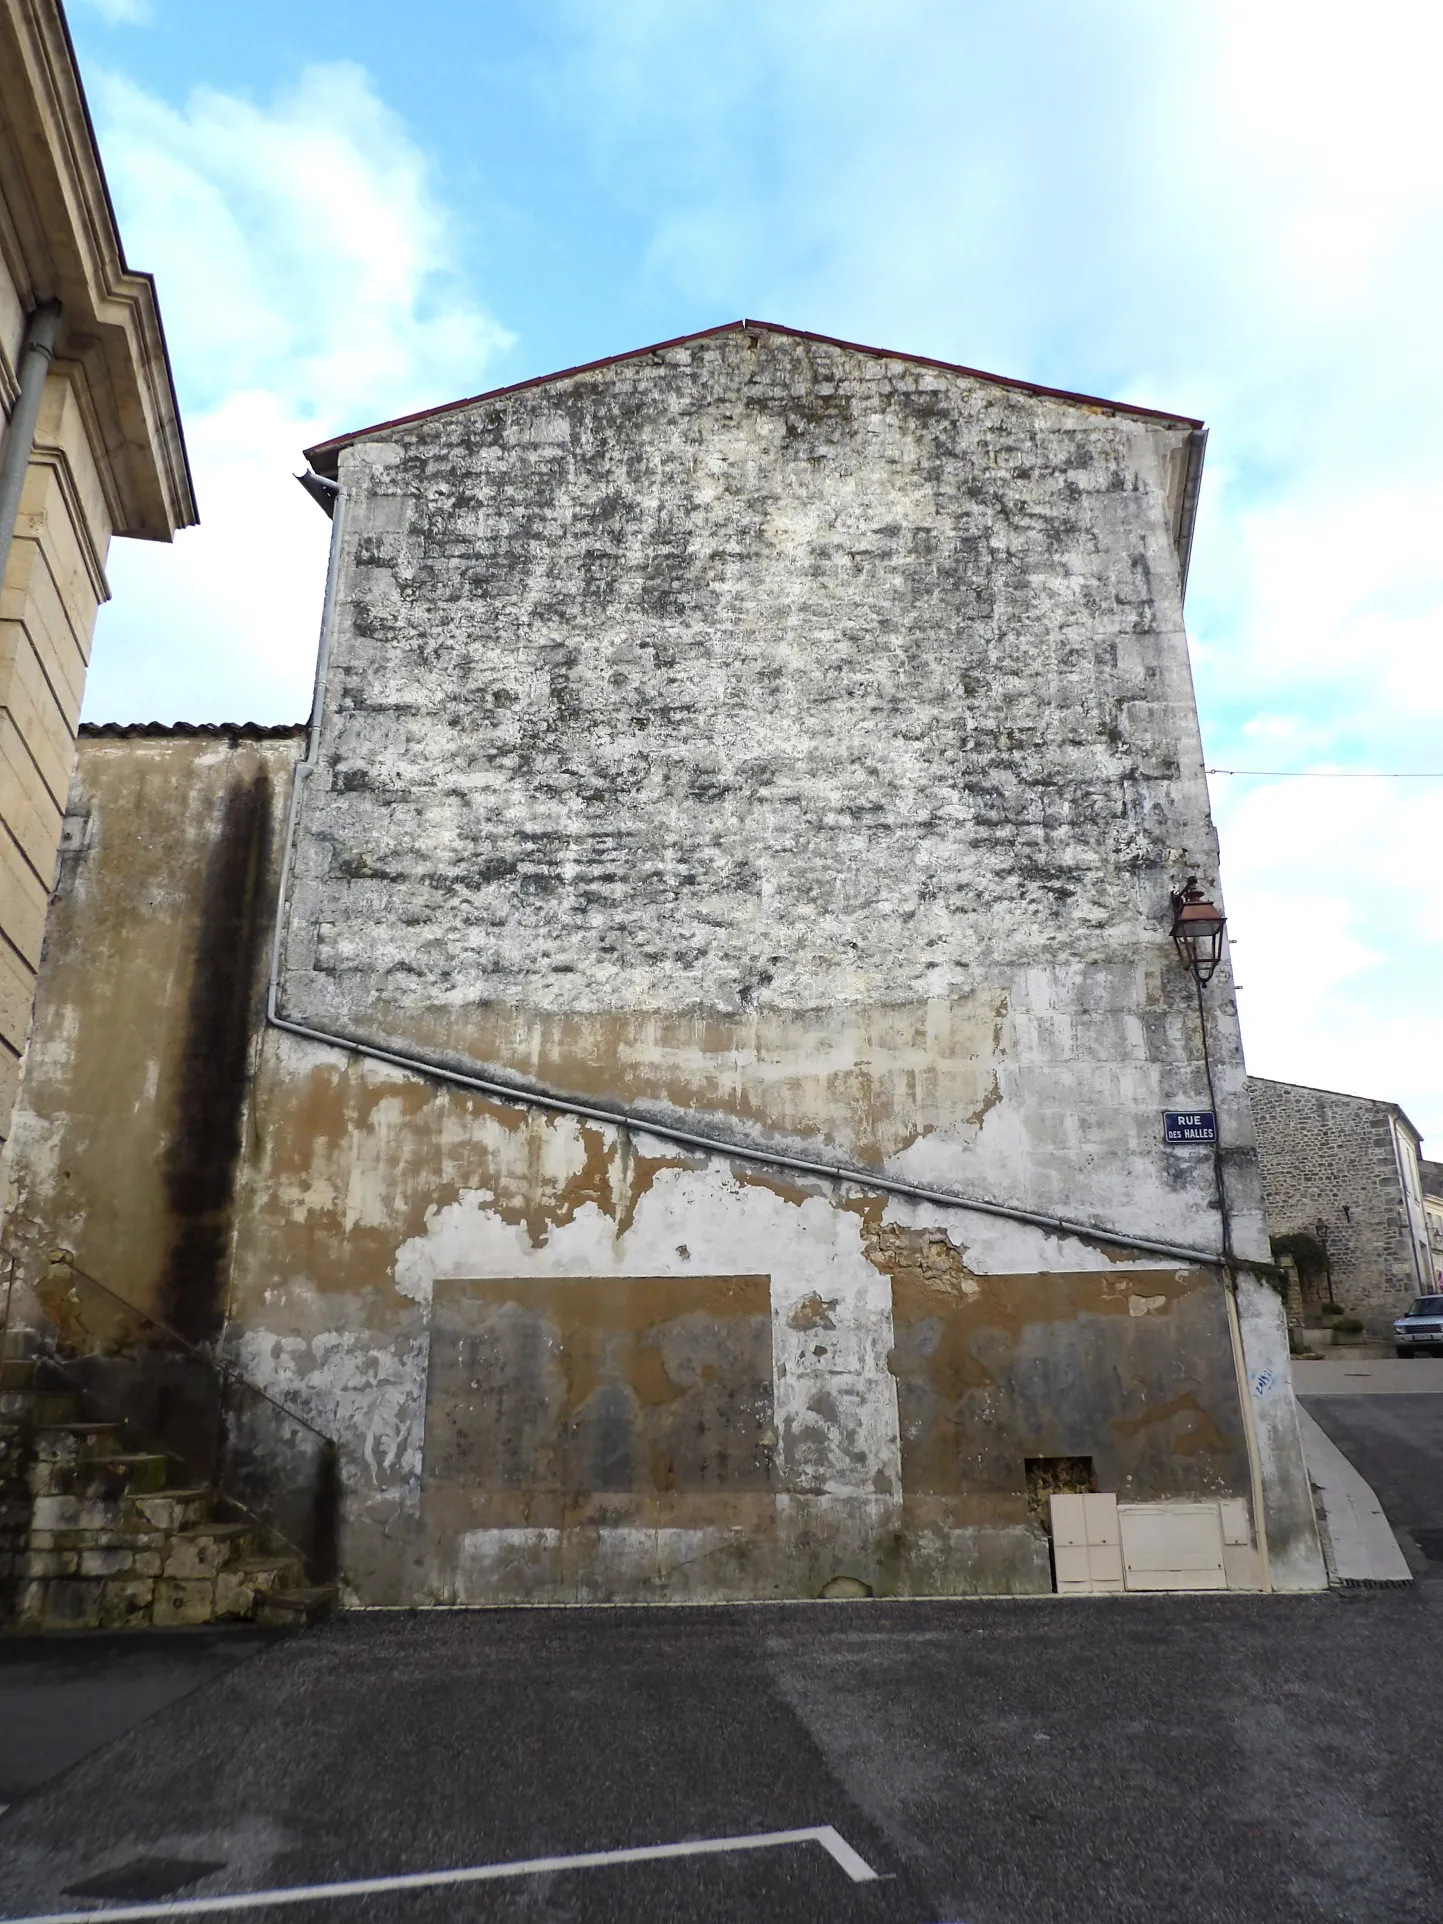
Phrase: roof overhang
(60, 240)
(324, 457)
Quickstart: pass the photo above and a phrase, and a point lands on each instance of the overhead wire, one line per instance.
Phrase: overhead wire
(1336, 774)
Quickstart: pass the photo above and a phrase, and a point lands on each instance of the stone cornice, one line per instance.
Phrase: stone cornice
(61, 239)
(56, 459)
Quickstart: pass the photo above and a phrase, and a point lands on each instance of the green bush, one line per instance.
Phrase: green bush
(1332, 1309)
(1348, 1326)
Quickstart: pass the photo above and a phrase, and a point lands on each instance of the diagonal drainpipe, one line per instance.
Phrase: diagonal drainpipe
(499, 1085)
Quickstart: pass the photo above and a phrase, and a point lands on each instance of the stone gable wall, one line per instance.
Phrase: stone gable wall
(1331, 1158)
(795, 743)
(770, 730)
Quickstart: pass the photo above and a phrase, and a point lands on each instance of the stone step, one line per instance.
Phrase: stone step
(200, 1552)
(87, 1520)
(125, 1600)
(293, 1609)
(171, 1509)
(90, 1526)
(56, 1406)
(241, 1587)
(144, 1471)
(105, 1478)
(64, 1439)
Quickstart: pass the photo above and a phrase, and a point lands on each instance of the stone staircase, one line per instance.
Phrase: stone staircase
(93, 1535)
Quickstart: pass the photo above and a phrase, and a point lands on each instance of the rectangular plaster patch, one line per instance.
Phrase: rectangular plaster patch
(577, 1387)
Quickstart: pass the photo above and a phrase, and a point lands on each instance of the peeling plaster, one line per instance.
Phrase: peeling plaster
(836, 1414)
(798, 742)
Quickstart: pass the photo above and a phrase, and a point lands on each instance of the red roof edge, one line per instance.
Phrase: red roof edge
(323, 456)
(172, 731)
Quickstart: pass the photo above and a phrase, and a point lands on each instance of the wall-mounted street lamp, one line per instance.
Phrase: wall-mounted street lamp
(1197, 930)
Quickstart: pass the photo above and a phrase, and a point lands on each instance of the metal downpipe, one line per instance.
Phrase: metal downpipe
(36, 354)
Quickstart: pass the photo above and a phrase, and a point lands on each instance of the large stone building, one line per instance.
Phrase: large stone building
(700, 1128)
(1344, 1193)
(92, 448)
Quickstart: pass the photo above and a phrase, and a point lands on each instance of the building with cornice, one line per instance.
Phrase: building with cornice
(92, 449)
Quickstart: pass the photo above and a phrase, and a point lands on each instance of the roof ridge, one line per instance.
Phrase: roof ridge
(1347, 1095)
(322, 455)
(246, 731)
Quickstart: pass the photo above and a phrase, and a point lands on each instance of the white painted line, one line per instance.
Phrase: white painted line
(836, 1847)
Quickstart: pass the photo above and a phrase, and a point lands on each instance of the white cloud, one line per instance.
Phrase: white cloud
(121, 13)
(1339, 929)
(301, 252)
(1233, 210)
(1236, 211)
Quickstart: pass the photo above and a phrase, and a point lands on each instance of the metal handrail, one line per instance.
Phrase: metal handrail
(215, 1455)
(62, 1259)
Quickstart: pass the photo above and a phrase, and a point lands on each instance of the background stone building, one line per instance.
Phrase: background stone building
(1343, 1188)
(1432, 1174)
(700, 1129)
(92, 448)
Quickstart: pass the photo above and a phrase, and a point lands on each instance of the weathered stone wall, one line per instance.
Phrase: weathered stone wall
(770, 730)
(799, 744)
(858, 1394)
(796, 743)
(151, 996)
(1333, 1159)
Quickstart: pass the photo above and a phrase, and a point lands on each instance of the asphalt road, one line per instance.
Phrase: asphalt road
(1000, 1763)
(63, 1697)
(1396, 1442)
(1139, 1758)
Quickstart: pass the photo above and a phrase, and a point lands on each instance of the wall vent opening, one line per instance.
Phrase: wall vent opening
(1049, 1476)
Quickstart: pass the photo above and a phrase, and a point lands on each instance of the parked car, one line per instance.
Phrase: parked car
(1421, 1330)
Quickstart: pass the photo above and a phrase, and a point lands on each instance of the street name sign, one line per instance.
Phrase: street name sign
(1189, 1125)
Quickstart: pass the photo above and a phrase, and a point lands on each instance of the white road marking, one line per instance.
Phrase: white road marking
(836, 1847)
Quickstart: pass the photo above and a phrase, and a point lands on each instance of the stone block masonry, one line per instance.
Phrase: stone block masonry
(796, 745)
(92, 1538)
(1341, 1162)
(90, 433)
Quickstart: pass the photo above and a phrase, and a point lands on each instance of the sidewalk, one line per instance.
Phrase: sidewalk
(1358, 1540)
(1369, 1376)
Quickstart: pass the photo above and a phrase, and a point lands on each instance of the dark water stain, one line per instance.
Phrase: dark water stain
(201, 1158)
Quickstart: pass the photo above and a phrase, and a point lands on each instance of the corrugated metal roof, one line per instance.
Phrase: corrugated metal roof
(235, 731)
(323, 456)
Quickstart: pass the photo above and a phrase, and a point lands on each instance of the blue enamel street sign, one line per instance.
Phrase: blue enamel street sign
(1189, 1125)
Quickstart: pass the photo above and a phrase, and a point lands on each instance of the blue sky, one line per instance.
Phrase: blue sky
(1234, 211)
